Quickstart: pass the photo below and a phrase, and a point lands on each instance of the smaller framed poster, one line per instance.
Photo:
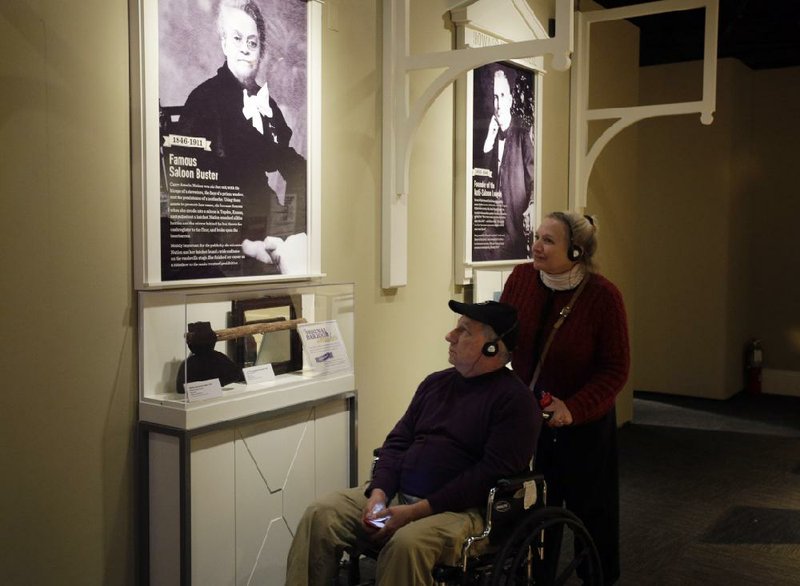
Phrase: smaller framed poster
(498, 159)
(502, 191)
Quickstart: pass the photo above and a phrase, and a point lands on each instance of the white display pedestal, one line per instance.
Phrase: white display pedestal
(221, 503)
(224, 480)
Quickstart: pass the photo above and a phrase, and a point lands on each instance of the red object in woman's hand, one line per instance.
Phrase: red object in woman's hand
(545, 400)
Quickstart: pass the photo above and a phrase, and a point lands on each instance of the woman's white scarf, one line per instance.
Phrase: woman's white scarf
(566, 280)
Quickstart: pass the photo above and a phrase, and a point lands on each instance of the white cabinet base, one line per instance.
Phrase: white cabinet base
(220, 504)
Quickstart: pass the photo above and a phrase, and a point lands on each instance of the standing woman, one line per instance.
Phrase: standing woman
(573, 344)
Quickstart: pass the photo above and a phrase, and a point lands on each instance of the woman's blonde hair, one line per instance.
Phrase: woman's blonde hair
(582, 234)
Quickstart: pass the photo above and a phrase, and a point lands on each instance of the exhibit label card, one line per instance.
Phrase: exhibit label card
(323, 346)
(203, 389)
(261, 373)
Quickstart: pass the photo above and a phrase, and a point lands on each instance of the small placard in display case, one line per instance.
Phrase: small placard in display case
(189, 336)
(323, 345)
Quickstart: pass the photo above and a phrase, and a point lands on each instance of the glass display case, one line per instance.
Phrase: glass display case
(269, 347)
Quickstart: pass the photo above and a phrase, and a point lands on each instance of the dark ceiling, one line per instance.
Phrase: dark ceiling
(762, 34)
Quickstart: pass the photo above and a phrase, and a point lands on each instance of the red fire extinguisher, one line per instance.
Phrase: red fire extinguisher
(753, 361)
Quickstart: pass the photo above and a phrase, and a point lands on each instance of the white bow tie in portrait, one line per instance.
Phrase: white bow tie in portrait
(256, 106)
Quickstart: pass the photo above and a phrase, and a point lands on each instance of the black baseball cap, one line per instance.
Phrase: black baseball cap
(500, 316)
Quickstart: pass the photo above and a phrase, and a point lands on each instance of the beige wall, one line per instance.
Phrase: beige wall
(68, 401)
(399, 333)
(715, 213)
(684, 236)
(773, 209)
(68, 408)
(613, 187)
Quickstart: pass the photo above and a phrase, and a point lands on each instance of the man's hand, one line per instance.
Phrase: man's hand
(375, 508)
(527, 218)
(494, 128)
(377, 500)
(400, 516)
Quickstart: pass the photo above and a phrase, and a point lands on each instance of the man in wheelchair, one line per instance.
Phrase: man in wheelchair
(466, 427)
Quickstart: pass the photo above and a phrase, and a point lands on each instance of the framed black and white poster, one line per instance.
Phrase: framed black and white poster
(503, 187)
(498, 171)
(227, 140)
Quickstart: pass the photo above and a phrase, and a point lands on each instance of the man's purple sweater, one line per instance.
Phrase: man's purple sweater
(458, 437)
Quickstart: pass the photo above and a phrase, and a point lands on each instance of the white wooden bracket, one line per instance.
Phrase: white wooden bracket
(583, 158)
(402, 119)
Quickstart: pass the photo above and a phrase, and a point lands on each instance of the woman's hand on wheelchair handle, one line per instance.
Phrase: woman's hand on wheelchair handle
(561, 414)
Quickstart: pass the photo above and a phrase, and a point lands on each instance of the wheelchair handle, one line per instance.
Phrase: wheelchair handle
(546, 400)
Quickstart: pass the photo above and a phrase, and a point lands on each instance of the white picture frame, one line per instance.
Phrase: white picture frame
(487, 29)
(196, 206)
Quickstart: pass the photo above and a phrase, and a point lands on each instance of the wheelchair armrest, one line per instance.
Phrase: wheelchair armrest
(507, 498)
(514, 483)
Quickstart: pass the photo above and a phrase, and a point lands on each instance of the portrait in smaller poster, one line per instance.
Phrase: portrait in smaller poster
(233, 126)
(503, 179)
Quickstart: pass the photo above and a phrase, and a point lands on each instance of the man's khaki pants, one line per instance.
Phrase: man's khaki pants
(334, 522)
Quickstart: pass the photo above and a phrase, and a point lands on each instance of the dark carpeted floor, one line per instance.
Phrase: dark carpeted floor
(758, 414)
(714, 506)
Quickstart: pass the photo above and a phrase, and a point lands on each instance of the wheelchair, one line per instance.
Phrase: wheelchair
(517, 526)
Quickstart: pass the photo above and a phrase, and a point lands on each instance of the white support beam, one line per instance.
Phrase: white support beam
(401, 119)
(583, 156)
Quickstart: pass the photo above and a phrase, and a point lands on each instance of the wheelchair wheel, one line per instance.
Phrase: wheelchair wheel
(537, 554)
